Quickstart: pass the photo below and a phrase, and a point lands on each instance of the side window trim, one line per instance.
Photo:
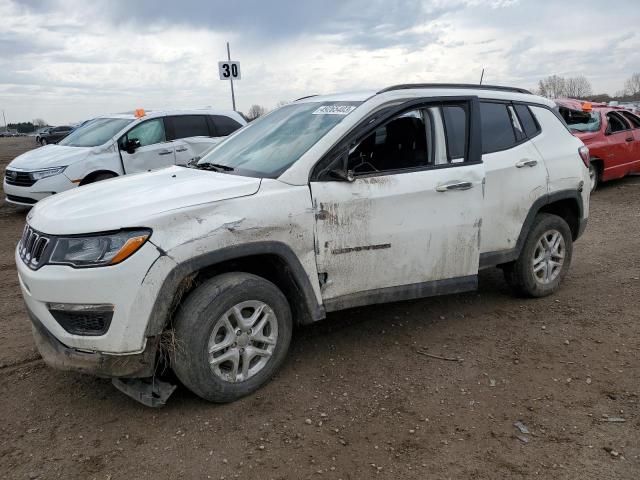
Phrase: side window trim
(372, 122)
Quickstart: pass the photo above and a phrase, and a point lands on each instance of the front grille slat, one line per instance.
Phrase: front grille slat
(19, 179)
(32, 247)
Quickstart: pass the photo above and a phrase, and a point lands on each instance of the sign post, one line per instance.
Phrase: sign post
(229, 70)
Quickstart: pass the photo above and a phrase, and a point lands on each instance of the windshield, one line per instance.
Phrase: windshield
(94, 133)
(579, 121)
(271, 144)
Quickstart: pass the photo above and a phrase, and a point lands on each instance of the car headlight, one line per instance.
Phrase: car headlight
(47, 172)
(98, 250)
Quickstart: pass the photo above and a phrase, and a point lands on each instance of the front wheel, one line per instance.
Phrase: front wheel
(43, 141)
(232, 335)
(544, 259)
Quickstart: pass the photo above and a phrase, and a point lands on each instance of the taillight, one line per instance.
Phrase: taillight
(584, 155)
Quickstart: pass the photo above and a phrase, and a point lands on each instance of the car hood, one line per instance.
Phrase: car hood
(134, 200)
(49, 156)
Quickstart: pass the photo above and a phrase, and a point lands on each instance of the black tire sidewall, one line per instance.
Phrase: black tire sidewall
(596, 172)
(524, 271)
(195, 321)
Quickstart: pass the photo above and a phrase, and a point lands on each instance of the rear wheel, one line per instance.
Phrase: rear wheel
(544, 260)
(233, 333)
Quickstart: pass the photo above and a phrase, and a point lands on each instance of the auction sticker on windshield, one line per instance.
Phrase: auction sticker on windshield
(334, 110)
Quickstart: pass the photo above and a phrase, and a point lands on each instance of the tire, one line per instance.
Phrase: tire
(521, 275)
(200, 327)
(98, 178)
(594, 177)
(43, 141)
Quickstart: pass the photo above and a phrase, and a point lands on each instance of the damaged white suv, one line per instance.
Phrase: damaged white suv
(327, 203)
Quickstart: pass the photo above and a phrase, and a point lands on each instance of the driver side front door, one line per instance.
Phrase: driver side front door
(154, 151)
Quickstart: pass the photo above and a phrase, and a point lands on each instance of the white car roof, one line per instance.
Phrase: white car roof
(433, 90)
(164, 113)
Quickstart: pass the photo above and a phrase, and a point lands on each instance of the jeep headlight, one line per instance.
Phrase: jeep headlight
(47, 172)
(98, 250)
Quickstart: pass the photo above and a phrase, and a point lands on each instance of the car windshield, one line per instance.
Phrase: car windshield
(95, 132)
(580, 121)
(268, 146)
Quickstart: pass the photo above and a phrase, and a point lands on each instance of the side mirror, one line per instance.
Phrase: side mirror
(131, 145)
(342, 174)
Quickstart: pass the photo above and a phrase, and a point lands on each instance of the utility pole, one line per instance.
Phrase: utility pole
(481, 76)
(233, 95)
(5, 121)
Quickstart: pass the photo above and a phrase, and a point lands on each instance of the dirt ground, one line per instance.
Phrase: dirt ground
(355, 400)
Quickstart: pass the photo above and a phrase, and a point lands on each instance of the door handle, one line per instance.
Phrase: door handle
(181, 149)
(526, 163)
(628, 139)
(164, 152)
(454, 186)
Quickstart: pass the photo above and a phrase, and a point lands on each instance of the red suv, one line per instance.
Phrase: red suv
(611, 133)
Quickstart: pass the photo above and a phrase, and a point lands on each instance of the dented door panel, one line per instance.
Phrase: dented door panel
(390, 230)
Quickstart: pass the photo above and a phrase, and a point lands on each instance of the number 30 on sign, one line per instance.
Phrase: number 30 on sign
(229, 70)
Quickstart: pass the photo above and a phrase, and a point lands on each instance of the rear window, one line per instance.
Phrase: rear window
(496, 127)
(185, 126)
(632, 119)
(224, 125)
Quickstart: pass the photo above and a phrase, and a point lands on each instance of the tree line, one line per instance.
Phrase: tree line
(579, 87)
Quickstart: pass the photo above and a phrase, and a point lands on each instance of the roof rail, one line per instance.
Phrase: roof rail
(308, 96)
(408, 86)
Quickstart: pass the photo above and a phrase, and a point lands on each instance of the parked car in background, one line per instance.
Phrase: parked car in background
(116, 145)
(42, 131)
(54, 134)
(611, 133)
(327, 203)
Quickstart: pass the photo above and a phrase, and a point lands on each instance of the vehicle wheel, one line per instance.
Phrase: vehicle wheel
(232, 335)
(544, 260)
(97, 178)
(43, 141)
(594, 175)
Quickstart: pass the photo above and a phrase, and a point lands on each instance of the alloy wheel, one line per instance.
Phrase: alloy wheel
(548, 257)
(242, 341)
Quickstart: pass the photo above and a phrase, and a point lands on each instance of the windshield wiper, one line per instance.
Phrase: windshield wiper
(214, 166)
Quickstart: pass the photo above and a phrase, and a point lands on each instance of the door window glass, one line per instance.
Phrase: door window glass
(148, 133)
(455, 127)
(616, 123)
(517, 127)
(190, 126)
(224, 125)
(632, 119)
(527, 120)
(496, 127)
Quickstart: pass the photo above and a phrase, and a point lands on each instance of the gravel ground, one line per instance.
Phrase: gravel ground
(355, 400)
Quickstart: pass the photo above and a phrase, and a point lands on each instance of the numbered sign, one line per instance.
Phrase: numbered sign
(229, 70)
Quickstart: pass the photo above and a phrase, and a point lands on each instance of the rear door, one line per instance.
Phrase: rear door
(189, 135)
(154, 151)
(516, 175)
(620, 146)
(408, 224)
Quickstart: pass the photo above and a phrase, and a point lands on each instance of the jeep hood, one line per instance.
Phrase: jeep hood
(49, 156)
(134, 200)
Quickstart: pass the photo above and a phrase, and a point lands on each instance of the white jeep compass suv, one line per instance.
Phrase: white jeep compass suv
(327, 203)
(115, 145)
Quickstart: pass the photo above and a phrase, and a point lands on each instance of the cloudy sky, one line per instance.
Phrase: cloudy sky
(65, 61)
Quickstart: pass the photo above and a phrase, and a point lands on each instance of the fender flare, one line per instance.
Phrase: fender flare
(490, 259)
(161, 310)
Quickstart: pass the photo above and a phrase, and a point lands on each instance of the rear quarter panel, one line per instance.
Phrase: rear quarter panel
(559, 150)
